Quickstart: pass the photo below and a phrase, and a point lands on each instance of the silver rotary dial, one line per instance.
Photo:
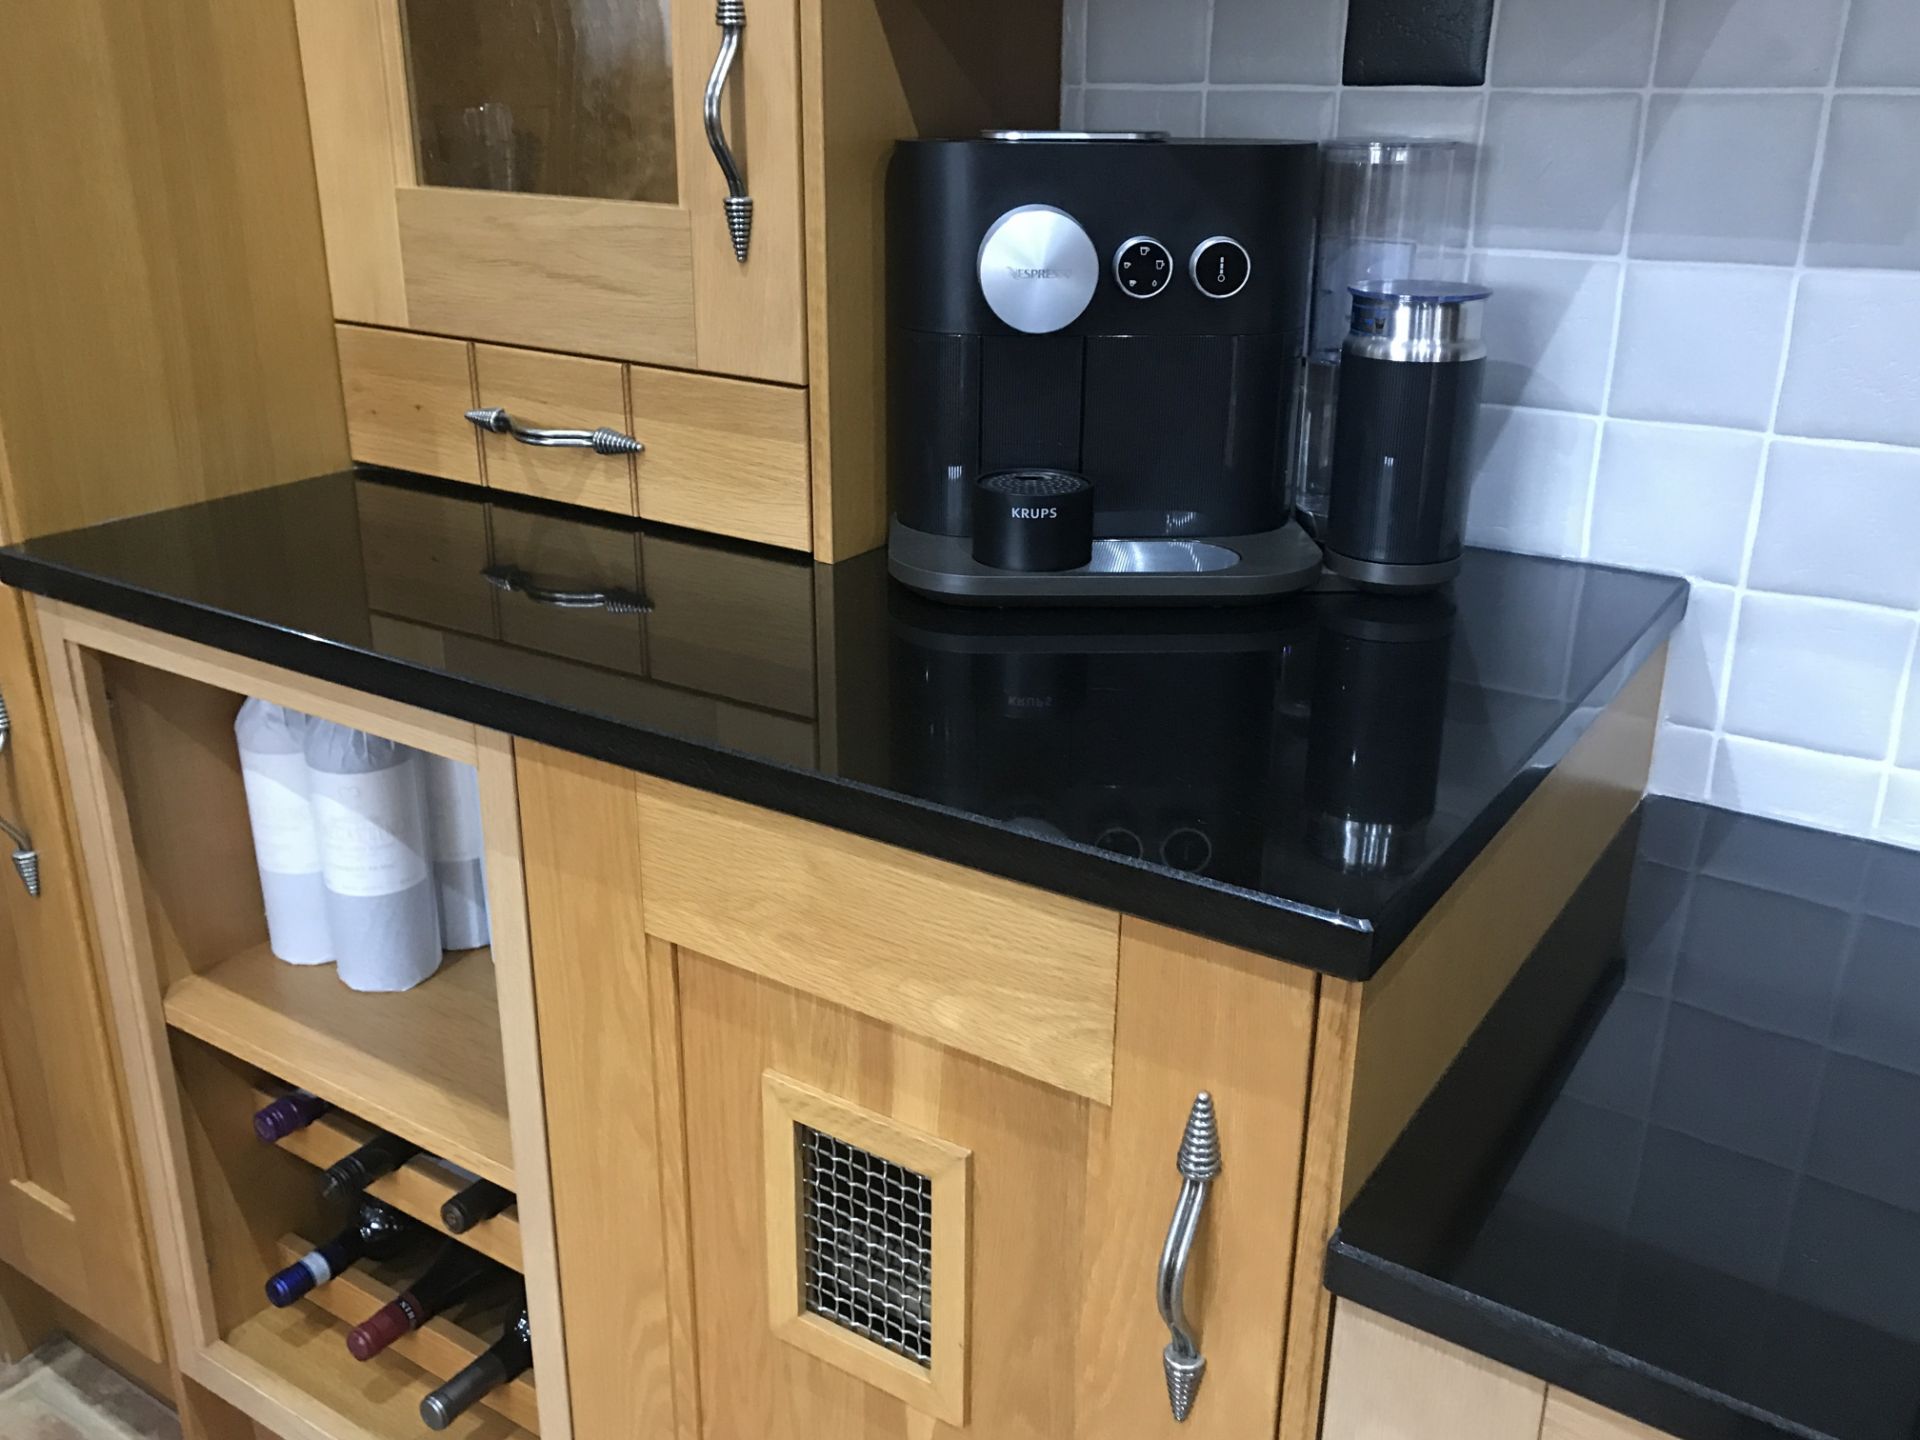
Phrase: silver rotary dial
(1038, 269)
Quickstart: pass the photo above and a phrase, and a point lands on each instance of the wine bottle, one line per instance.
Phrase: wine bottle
(455, 1274)
(510, 1355)
(377, 1233)
(381, 1155)
(481, 1200)
(293, 1111)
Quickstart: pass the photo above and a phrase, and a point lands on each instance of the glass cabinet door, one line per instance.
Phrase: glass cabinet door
(543, 174)
(547, 97)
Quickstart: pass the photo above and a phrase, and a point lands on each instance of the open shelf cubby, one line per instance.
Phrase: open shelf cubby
(213, 1026)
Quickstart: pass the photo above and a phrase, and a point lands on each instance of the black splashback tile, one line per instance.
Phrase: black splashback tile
(1418, 42)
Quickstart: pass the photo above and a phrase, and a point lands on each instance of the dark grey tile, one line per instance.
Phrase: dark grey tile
(1735, 1087)
(1772, 855)
(1767, 959)
(1417, 42)
(1708, 1206)
(1655, 921)
(1893, 885)
(1876, 1014)
(1581, 1164)
(1866, 1131)
(1855, 1256)
(1670, 830)
(1616, 1067)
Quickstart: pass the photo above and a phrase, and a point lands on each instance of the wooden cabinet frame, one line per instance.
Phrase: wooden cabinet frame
(191, 1226)
(651, 282)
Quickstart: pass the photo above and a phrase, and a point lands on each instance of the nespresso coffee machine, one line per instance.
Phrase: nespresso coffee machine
(1096, 348)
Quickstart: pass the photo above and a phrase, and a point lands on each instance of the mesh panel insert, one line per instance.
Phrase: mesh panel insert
(866, 1229)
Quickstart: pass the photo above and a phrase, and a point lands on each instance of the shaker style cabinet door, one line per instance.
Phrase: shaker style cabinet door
(69, 1217)
(850, 1142)
(618, 178)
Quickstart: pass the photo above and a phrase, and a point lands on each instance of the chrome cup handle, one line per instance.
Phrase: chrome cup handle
(602, 441)
(1199, 1164)
(731, 17)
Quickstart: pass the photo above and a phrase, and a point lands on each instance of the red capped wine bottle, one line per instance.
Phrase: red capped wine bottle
(455, 1275)
(377, 1233)
(510, 1355)
(481, 1200)
(381, 1155)
(291, 1112)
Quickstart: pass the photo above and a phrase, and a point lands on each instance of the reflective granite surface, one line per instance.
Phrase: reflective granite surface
(1709, 1215)
(1302, 778)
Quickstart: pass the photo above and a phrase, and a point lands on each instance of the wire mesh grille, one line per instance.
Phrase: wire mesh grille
(867, 1237)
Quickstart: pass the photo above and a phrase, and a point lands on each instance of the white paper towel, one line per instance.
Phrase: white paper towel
(286, 846)
(369, 802)
(457, 845)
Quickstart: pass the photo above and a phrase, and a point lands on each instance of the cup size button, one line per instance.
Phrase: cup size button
(1220, 267)
(1143, 267)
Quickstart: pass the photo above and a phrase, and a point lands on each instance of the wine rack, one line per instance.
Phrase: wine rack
(213, 1026)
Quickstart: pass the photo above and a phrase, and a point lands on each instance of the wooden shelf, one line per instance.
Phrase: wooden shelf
(419, 1188)
(379, 1399)
(425, 1064)
(440, 1347)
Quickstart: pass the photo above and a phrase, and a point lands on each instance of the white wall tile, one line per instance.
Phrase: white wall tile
(1146, 42)
(1841, 521)
(1117, 108)
(1747, 42)
(1817, 673)
(1900, 814)
(1275, 42)
(1271, 114)
(1682, 757)
(1853, 370)
(1697, 658)
(1378, 113)
(1725, 177)
(1549, 330)
(1868, 210)
(1882, 45)
(1674, 498)
(1701, 343)
(1574, 42)
(1907, 752)
(1073, 107)
(1073, 42)
(1828, 791)
(1556, 171)
(1529, 490)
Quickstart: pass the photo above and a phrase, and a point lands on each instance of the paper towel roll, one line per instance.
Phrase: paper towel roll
(369, 801)
(286, 847)
(457, 846)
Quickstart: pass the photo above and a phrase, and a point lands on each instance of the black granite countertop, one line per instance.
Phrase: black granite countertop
(1707, 1213)
(1303, 778)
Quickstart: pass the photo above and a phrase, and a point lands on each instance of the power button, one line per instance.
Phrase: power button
(1220, 267)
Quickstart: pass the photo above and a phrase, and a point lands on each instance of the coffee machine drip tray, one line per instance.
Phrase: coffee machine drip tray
(1219, 570)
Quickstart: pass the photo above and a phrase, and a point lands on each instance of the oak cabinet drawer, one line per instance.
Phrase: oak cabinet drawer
(725, 456)
(554, 392)
(407, 398)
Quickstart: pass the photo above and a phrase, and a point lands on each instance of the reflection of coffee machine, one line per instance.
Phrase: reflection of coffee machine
(1095, 353)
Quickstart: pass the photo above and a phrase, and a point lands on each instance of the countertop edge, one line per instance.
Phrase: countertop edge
(1349, 948)
(1584, 1367)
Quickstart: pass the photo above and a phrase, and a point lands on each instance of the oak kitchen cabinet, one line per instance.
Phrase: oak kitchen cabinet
(531, 215)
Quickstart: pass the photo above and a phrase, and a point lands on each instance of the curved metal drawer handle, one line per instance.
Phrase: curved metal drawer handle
(602, 441)
(1199, 1164)
(515, 581)
(731, 17)
(26, 859)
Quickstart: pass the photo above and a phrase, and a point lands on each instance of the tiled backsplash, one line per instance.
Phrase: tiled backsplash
(1702, 220)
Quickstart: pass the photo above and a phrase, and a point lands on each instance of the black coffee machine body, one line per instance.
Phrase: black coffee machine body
(1095, 350)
